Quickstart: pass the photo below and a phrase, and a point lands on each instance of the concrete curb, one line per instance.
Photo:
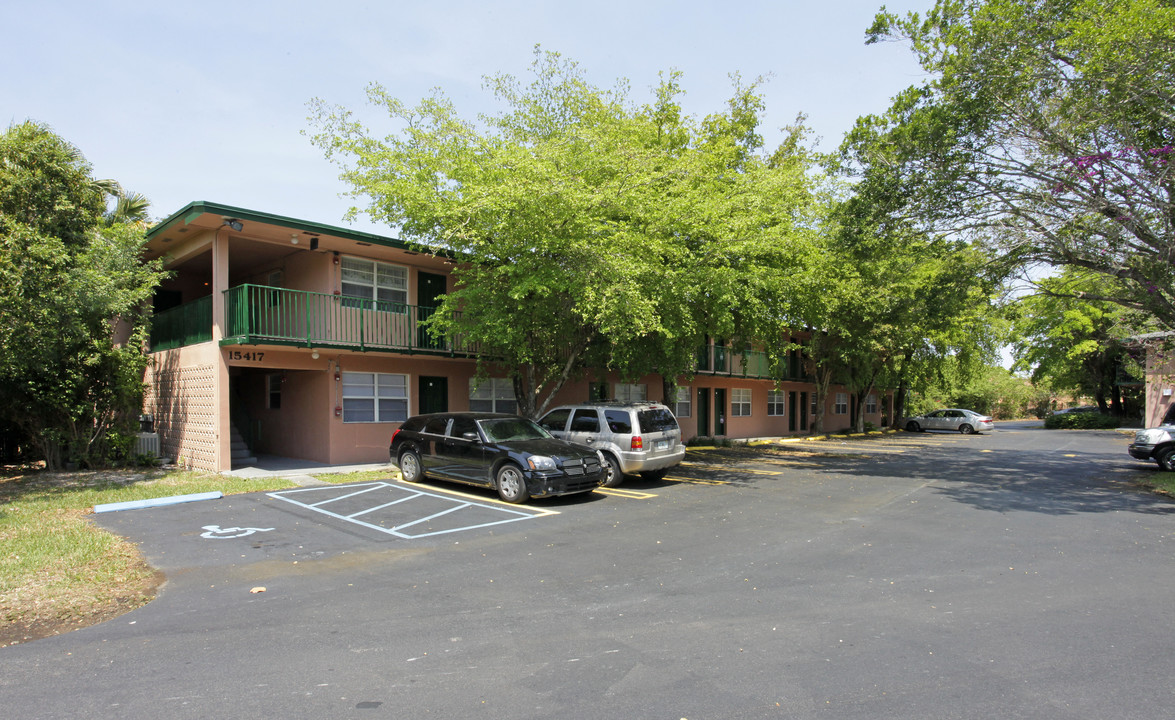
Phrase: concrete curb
(157, 502)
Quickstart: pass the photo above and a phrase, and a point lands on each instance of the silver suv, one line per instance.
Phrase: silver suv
(1157, 443)
(635, 437)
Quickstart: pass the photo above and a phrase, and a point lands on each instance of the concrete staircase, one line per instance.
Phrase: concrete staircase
(241, 456)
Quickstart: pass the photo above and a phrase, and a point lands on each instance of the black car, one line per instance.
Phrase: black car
(506, 452)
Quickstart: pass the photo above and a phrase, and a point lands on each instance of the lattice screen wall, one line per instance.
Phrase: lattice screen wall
(183, 401)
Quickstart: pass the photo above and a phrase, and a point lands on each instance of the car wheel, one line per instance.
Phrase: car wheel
(410, 468)
(654, 475)
(511, 484)
(614, 476)
(913, 427)
(1166, 458)
(966, 429)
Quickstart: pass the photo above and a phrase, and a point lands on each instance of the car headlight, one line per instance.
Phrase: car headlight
(1150, 436)
(541, 462)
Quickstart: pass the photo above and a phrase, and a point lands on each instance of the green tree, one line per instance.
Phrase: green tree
(68, 276)
(1075, 344)
(597, 232)
(1045, 129)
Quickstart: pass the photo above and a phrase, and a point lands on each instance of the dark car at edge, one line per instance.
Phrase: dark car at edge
(508, 453)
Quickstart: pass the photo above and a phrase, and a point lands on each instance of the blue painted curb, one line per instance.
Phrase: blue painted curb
(157, 502)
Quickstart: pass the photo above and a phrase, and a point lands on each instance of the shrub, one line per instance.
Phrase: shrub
(1082, 421)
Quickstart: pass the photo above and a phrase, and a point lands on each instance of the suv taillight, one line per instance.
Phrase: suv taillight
(637, 443)
(393, 440)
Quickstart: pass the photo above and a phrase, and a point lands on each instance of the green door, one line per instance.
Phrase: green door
(719, 412)
(433, 394)
(704, 412)
(430, 289)
(791, 411)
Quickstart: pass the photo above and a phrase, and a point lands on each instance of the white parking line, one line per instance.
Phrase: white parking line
(478, 515)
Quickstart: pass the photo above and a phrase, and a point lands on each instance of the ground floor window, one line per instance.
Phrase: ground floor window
(842, 404)
(375, 397)
(682, 407)
(871, 404)
(740, 402)
(493, 395)
(775, 403)
(626, 392)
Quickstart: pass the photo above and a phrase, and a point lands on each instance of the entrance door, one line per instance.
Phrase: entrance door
(704, 412)
(719, 411)
(791, 411)
(430, 289)
(805, 411)
(433, 394)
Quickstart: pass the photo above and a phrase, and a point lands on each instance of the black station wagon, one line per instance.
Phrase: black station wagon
(509, 453)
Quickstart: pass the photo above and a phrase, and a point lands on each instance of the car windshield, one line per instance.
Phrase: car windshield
(511, 428)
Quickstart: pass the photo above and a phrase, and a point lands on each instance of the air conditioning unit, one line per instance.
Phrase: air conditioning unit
(147, 444)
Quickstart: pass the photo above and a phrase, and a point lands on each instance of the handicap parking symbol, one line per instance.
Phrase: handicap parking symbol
(215, 532)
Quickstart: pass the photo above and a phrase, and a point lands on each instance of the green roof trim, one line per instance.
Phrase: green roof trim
(196, 208)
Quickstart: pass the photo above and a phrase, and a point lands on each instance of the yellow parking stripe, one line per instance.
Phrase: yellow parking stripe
(625, 493)
(694, 481)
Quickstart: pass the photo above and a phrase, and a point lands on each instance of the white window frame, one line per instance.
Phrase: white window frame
(363, 388)
(386, 286)
(498, 392)
(740, 402)
(776, 403)
(871, 405)
(630, 392)
(684, 403)
(842, 404)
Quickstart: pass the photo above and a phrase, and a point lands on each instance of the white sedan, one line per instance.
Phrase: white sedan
(964, 421)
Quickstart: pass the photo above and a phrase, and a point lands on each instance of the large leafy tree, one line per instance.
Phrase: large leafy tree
(69, 270)
(1075, 344)
(1045, 128)
(595, 231)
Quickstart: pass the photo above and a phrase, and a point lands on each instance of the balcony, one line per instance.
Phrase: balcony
(188, 324)
(722, 360)
(262, 315)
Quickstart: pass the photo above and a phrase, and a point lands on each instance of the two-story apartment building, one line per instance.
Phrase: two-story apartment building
(305, 340)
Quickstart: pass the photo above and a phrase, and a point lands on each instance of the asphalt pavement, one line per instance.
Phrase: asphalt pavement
(1019, 573)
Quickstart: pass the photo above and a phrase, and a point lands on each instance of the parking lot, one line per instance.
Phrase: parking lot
(1010, 574)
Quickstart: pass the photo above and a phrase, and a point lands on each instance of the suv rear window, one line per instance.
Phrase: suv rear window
(656, 420)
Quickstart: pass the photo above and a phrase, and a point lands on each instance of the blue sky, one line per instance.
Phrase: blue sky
(206, 101)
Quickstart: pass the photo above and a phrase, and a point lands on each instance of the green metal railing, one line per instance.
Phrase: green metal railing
(260, 314)
(187, 324)
(723, 360)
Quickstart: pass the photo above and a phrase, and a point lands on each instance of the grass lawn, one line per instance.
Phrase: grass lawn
(59, 571)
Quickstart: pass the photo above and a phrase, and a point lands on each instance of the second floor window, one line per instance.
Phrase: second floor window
(383, 284)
